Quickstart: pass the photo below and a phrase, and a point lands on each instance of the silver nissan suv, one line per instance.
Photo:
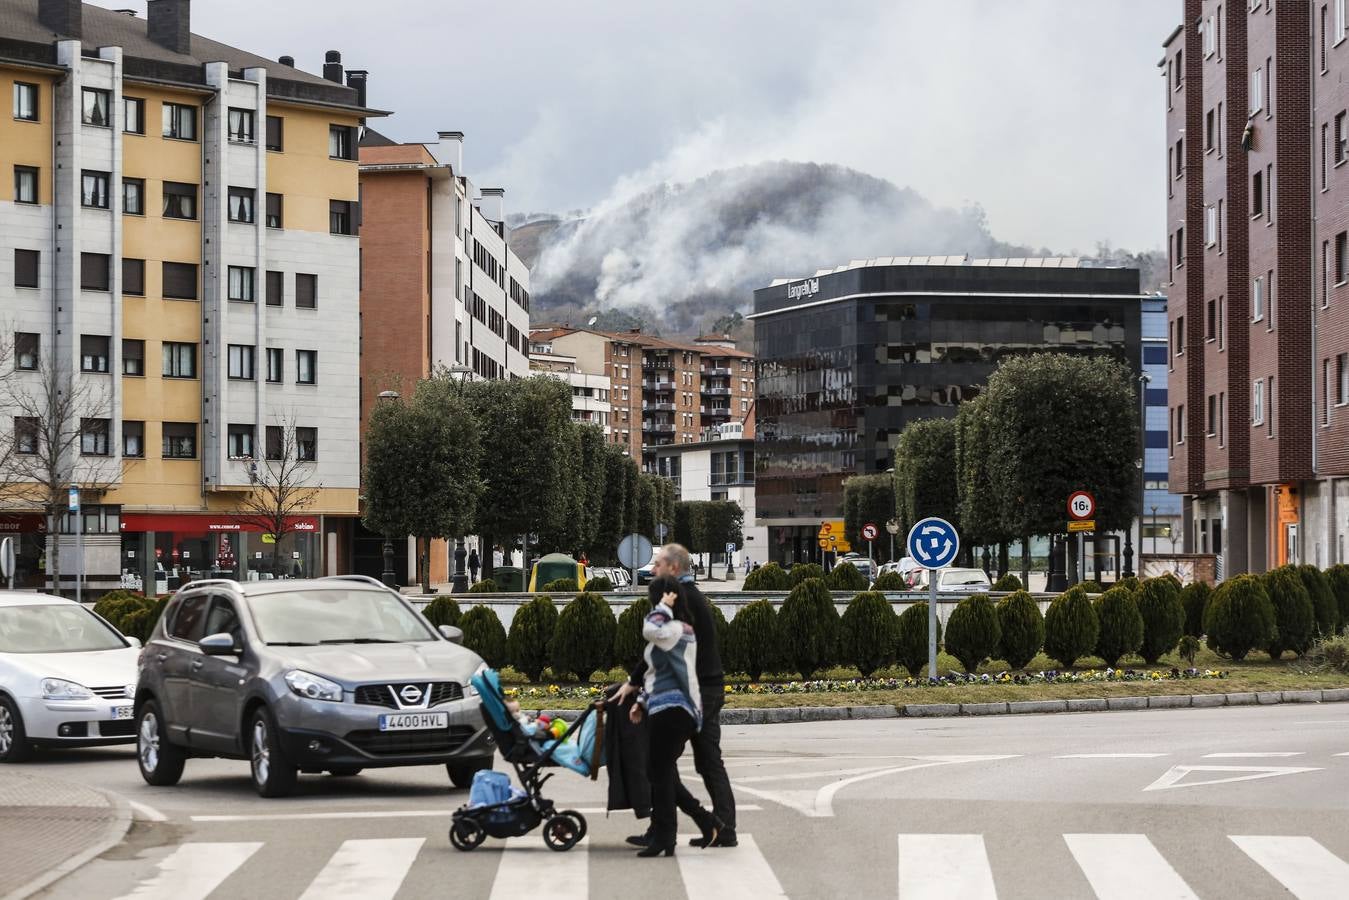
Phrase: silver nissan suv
(325, 675)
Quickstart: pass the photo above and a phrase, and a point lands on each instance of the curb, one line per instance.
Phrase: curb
(113, 834)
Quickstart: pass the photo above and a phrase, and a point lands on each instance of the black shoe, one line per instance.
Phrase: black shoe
(639, 840)
(653, 850)
(709, 836)
(725, 839)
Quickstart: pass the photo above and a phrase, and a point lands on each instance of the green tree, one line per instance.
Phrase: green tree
(593, 474)
(484, 635)
(1239, 617)
(629, 645)
(911, 638)
(647, 496)
(868, 498)
(809, 626)
(845, 577)
(687, 521)
(443, 610)
(753, 641)
(886, 581)
(801, 571)
(867, 632)
(973, 631)
(531, 633)
(1339, 586)
(768, 577)
(632, 492)
(1071, 627)
(563, 533)
(722, 523)
(1294, 616)
(610, 527)
(925, 472)
(977, 508)
(583, 640)
(1022, 626)
(1322, 595)
(1121, 625)
(1008, 582)
(1163, 615)
(1194, 597)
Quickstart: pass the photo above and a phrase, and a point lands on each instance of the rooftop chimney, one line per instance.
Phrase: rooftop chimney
(62, 16)
(287, 61)
(171, 24)
(493, 204)
(450, 150)
(332, 66)
(356, 79)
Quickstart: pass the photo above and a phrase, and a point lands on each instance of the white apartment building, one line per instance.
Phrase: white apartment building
(589, 393)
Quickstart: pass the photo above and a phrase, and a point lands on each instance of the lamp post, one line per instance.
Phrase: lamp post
(1154, 533)
(1143, 381)
(459, 581)
(892, 526)
(388, 576)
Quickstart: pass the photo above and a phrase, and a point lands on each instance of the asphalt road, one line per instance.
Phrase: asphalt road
(1232, 803)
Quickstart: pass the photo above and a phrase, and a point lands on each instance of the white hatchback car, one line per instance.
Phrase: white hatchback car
(955, 581)
(67, 677)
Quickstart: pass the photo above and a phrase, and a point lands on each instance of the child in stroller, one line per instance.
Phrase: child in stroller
(502, 812)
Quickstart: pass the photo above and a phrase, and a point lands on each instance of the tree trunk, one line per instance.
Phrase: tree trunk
(1003, 562)
(1025, 561)
(54, 553)
(487, 558)
(424, 564)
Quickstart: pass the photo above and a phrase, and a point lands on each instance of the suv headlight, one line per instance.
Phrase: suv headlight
(313, 687)
(60, 689)
(469, 689)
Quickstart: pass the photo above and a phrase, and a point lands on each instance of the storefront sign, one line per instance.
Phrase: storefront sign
(133, 522)
(22, 523)
(808, 288)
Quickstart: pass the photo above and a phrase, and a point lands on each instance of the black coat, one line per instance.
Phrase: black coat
(625, 755)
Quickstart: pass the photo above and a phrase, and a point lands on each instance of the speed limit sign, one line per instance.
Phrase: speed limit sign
(1081, 505)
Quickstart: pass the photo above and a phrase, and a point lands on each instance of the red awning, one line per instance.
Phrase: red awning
(198, 523)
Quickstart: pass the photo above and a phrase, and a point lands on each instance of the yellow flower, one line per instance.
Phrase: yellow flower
(552, 689)
(727, 689)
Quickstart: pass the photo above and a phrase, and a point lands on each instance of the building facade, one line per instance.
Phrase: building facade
(589, 393)
(1160, 526)
(847, 357)
(1259, 326)
(180, 228)
(720, 466)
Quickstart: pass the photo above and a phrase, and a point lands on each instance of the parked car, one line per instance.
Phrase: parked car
(67, 677)
(954, 581)
(330, 674)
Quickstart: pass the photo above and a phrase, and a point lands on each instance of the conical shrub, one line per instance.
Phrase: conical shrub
(911, 638)
(867, 633)
(753, 644)
(1339, 586)
(1131, 583)
(583, 640)
(443, 610)
(1194, 598)
(531, 633)
(845, 577)
(1121, 631)
(1324, 607)
(1008, 583)
(1239, 617)
(972, 631)
(801, 571)
(768, 577)
(629, 645)
(1294, 618)
(599, 584)
(484, 635)
(1071, 628)
(1091, 587)
(809, 624)
(1022, 627)
(1163, 617)
(889, 581)
(720, 624)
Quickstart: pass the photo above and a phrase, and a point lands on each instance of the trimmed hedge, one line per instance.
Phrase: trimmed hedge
(561, 586)
(1071, 627)
(1008, 583)
(486, 586)
(443, 610)
(583, 640)
(867, 633)
(973, 631)
(1239, 617)
(1294, 617)
(1131, 583)
(134, 615)
(809, 624)
(629, 645)
(801, 571)
(720, 625)
(1091, 587)
(845, 577)
(768, 577)
(1339, 586)
(1324, 607)
(1163, 615)
(531, 632)
(889, 581)
(911, 638)
(1194, 598)
(753, 640)
(1121, 631)
(484, 635)
(599, 583)
(1022, 627)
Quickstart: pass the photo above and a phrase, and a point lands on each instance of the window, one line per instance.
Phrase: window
(1339, 150)
(1211, 320)
(1325, 274)
(306, 366)
(25, 101)
(275, 441)
(1180, 246)
(94, 353)
(275, 364)
(180, 200)
(27, 350)
(240, 442)
(94, 271)
(273, 210)
(1210, 130)
(1267, 93)
(1269, 300)
(241, 283)
(1325, 162)
(26, 268)
(275, 288)
(26, 432)
(96, 107)
(1258, 402)
(1210, 226)
(94, 189)
(133, 357)
(180, 440)
(1258, 298)
(180, 122)
(1325, 391)
(240, 125)
(1221, 221)
(180, 281)
(1257, 195)
(133, 440)
(1179, 70)
(133, 115)
(1269, 194)
(1222, 321)
(275, 129)
(180, 360)
(1342, 379)
(1341, 257)
(133, 277)
(1180, 158)
(241, 204)
(133, 196)
(1209, 36)
(93, 437)
(340, 218)
(241, 361)
(306, 291)
(1211, 429)
(1269, 402)
(25, 184)
(1222, 126)
(1325, 35)
(1339, 21)
(340, 142)
(306, 444)
(1257, 90)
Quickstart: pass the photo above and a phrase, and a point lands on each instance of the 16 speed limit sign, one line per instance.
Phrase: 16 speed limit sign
(1081, 505)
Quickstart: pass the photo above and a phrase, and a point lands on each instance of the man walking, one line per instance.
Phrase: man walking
(673, 561)
(474, 564)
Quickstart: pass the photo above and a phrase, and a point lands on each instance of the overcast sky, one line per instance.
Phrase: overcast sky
(1047, 112)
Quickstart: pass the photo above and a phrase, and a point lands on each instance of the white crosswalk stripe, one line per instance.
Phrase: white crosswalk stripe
(941, 866)
(1125, 866)
(740, 872)
(527, 863)
(192, 871)
(365, 870)
(1301, 864)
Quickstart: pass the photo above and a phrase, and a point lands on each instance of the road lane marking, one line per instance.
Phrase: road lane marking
(529, 869)
(147, 813)
(1259, 754)
(392, 814)
(1308, 870)
(193, 871)
(1126, 866)
(365, 870)
(1342, 754)
(1172, 777)
(944, 867)
(740, 872)
(1110, 755)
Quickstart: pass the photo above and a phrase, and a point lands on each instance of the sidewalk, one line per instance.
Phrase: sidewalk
(49, 828)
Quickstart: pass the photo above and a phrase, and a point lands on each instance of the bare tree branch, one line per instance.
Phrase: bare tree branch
(282, 492)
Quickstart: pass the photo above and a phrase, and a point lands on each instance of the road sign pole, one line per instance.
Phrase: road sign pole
(932, 623)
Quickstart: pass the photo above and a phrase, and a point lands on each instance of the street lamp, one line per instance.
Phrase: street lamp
(388, 576)
(459, 581)
(1143, 381)
(1154, 533)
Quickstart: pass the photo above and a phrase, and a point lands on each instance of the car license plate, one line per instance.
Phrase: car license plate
(413, 721)
(122, 712)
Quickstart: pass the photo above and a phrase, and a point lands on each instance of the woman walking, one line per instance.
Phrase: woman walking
(670, 697)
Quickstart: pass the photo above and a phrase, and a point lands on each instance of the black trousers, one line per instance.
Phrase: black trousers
(670, 730)
(707, 760)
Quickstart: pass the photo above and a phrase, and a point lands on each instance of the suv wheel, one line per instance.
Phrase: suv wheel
(14, 746)
(273, 775)
(161, 762)
(461, 774)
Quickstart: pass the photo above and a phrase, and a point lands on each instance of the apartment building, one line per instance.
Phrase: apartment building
(1160, 516)
(589, 393)
(1258, 212)
(179, 227)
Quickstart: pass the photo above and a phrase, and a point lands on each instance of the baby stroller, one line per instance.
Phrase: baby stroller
(523, 810)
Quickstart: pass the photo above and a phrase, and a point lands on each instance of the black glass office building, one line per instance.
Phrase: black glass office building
(848, 357)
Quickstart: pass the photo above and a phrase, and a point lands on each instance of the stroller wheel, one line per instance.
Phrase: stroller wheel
(563, 831)
(465, 834)
(579, 819)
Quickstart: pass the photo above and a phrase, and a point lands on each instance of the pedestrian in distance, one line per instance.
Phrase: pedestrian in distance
(473, 564)
(747, 564)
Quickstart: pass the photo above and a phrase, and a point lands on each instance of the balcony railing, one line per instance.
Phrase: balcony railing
(658, 364)
(658, 386)
(716, 372)
(658, 406)
(715, 411)
(732, 479)
(659, 427)
(716, 391)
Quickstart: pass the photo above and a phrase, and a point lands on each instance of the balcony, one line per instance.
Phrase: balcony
(716, 391)
(717, 372)
(658, 406)
(665, 364)
(658, 427)
(716, 412)
(660, 387)
(730, 479)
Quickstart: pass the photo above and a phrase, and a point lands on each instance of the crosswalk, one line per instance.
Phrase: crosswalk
(930, 866)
